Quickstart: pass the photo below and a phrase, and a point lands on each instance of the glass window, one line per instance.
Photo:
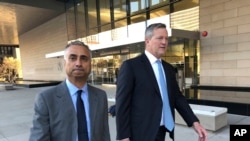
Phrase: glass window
(121, 23)
(185, 15)
(137, 6)
(92, 13)
(105, 15)
(138, 18)
(70, 16)
(119, 9)
(76, 20)
(93, 31)
(106, 27)
(159, 12)
(158, 2)
(80, 21)
(185, 4)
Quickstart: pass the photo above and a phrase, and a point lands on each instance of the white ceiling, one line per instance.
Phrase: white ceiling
(20, 16)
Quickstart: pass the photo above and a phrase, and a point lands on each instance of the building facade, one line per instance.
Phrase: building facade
(218, 59)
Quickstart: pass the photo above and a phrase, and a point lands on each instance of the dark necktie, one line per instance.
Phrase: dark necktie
(167, 115)
(81, 118)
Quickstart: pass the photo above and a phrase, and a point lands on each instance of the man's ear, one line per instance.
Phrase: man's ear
(64, 62)
(146, 40)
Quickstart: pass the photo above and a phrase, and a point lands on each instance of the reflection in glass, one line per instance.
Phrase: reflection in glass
(119, 9)
(138, 18)
(121, 23)
(71, 30)
(105, 15)
(80, 21)
(159, 12)
(92, 14)
(185, 4)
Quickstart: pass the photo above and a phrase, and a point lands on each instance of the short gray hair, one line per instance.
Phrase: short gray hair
(152, 27)
(78, 43)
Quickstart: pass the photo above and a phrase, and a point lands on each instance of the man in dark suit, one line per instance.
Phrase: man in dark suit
(56, 111)
(139, 97)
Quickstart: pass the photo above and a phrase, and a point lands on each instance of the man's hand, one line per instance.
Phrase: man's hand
(127, 139)
(202, 133)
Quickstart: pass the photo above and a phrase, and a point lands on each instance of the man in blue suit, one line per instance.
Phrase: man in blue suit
(55, 117)
(139, 97)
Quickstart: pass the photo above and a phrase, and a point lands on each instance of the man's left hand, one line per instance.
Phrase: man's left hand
(201, 131)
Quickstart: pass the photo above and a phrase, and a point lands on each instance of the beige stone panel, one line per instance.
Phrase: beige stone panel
(243, 95)
(243, 46)
(227, 96)
(212, 57)
(231, 39)
(205, 65)
(243, 81)
(205, 80)
(243, 72)
(241, 20)
(205, 27)
(217, 24)
(205, 72)
(243, 55)
(225, 31)
(243, 64)
(224, 48)
(244, 37)
(213, 2)
(211, 10)
(228, 14)
(206, 41)
(212, 72)
(215, 93)
(206, 49)
(244, 28)
(236, 4)
(205, 3)
(205, 19)
(230, 55)
(35, 44)
(245, 10)
(230, 72)
(217, 41)
(216, 72)
(224, 80)
(210, 95)
(223, 64)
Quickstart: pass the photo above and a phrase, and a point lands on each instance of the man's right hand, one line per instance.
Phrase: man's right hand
(127, 139)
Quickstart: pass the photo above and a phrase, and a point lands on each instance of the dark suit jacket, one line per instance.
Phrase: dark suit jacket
(139, 103)
(55, 116)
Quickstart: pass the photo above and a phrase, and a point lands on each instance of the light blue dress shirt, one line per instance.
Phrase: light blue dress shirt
(73, 93)
(152, 59)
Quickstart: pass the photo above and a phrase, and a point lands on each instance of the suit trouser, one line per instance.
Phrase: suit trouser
(161, 133)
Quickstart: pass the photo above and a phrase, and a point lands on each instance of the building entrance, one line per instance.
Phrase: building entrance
(182, 53)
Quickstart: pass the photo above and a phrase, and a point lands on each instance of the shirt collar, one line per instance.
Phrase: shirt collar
(73, 89)
(152, 59)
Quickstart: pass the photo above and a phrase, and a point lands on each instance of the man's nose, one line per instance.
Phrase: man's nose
(164, 41)
(78, 62)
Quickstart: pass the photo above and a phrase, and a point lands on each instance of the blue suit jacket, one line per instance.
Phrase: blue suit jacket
(139, 103)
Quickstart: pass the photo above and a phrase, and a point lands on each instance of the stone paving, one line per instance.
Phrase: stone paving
(16, 111)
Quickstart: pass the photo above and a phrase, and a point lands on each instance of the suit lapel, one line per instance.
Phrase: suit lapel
(149, 69)
(167, 75)
(63, 98)
(63, 95)
(93, 104)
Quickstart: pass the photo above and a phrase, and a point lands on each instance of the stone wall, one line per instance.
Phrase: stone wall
(225, 51)
(47, 38)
